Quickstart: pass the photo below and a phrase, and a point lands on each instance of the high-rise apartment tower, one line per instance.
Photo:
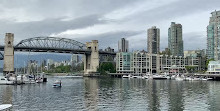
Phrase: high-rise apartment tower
(153, 41)
(175, 40)
(213, 36)
(123, 45)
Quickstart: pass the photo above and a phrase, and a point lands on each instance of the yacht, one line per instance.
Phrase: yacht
(5, 81)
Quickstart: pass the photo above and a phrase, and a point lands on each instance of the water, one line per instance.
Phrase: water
(108, 94)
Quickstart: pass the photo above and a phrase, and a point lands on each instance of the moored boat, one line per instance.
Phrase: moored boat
(5, 81)
(126, 76)
(179, 77)
(157, 76)
(39, 80)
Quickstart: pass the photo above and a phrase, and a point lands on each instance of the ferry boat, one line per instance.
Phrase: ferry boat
(57, 83)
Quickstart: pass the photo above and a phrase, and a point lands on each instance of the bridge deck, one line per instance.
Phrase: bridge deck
(56, 50)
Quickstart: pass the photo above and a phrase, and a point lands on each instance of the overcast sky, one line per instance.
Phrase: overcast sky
(107, 20)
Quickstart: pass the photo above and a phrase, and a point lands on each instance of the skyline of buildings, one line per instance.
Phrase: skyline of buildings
(174, 57)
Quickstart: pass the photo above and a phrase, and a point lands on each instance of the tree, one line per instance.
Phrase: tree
(106, 67)
(191, 69)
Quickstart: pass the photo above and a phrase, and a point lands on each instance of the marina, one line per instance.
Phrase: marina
(110, 55)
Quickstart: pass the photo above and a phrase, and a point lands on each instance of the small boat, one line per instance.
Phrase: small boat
(209, 78)
(188, 78)
(5, 107)
(137, 76)
(126, 76)
(204, 79)
(5, 81)
(196, 79)
(173, 77)
(57, 83)
(157, 76)
(179, 77)
(39, 80)
(145, 77)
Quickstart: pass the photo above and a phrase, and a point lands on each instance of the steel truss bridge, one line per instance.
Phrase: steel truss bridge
(53, 45)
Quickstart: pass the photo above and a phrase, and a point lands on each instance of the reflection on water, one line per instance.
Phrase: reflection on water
(113, 94)
(6, 95)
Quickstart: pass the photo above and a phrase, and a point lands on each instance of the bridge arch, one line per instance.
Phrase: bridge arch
(51, 42)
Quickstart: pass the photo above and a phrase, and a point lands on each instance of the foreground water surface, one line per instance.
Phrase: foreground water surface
(107, 94)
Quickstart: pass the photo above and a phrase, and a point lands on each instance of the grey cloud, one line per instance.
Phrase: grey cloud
(73, 8)
(106, 39)
(48, 26)
(87, 13)
(173, 10)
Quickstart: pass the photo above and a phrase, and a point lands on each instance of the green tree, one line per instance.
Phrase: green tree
(191, 69)
(106, 67)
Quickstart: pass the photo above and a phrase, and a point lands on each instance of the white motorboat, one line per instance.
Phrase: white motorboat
(57, 83)
(39, 80)
(179, 77)
(145, 77)
(196, 79)
(188, 78)
(173, 77)
(136, 76)
(5, 107)
(209, 78)
(5, 81)
(204, 79)
(157, 76)
(126, 76)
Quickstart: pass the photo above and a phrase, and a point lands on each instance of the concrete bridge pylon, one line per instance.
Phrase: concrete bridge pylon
(91, 61)
(8, 54)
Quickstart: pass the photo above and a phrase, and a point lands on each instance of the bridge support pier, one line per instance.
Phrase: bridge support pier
(8, 54)
(91, 61)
